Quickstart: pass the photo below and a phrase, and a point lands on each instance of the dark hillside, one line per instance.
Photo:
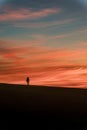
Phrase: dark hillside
(65, 104)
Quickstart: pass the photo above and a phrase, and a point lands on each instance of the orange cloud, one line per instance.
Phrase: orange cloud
(13, 15)
(45, 66)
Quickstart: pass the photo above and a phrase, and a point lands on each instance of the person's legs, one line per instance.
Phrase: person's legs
(28, 83)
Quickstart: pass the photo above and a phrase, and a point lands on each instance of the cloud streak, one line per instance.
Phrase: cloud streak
(67, 5)
(21, 14)
(43, 24)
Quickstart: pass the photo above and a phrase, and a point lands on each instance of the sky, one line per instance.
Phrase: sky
(45, 40)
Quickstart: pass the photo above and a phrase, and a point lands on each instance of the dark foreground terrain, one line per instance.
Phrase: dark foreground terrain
(40, 107)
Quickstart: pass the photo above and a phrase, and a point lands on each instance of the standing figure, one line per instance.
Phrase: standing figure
(27, 80)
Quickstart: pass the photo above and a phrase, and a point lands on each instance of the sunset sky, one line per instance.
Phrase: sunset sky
(45, 40)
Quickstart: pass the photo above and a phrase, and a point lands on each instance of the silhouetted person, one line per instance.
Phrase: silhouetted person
(27, 80)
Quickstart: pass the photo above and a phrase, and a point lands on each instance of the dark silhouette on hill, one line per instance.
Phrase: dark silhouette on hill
(28, 80)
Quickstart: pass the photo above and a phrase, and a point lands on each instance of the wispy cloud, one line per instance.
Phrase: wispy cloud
(72, 6)
(83, 30)
(21, 14)
(43, 24)
(46, 38)
(44, 66)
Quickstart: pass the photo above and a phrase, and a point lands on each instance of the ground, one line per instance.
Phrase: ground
(43, 106)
